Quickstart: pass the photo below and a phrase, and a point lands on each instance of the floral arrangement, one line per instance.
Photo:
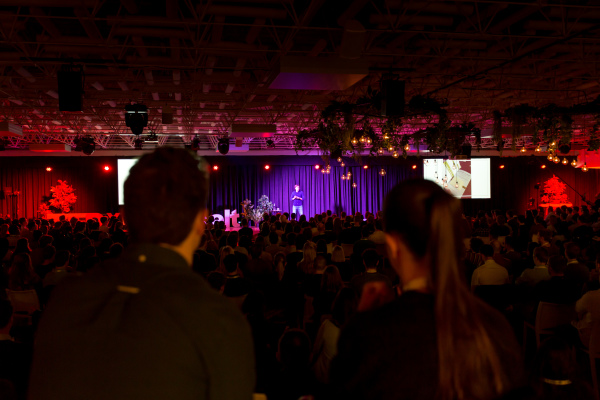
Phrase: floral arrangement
(256, 212)
(554, 192)
(245, 204)
(63, 197)
(43, 210)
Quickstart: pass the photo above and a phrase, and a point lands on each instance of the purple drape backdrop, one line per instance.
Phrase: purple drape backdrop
(240, 178)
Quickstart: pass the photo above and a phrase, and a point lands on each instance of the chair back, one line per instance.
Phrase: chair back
(550, 315)
(23, 301)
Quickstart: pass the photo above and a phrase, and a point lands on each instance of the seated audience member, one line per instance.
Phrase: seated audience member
(370, 260)
(325, 348)
(490, 272)
(588, 313)
(60, 270)
(48, 254)
(331, 283)
(216, 280)
(557, 289)
(153, 328)
(339, 260)
(545, 240)
(236, 286)
(312, 282)
(274, 247)
(294, 379)
(575, 271)
(15, 358)
(411, 348)
(474, 258)
(21, 275)
(539, 272)
(115, 250)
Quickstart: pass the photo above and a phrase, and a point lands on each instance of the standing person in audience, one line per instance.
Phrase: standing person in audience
(145, 326)
(437, 340)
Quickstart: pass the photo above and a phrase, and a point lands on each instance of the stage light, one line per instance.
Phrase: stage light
(565, 161)
(317, 166)
(538, 149)
(543, 166)
(556, 159)
(49, 169)
(574, 163)
(584, 168)
(343, 177)
(267, 167)
(343, 164)
(523, 149)
(395, 154)
(406, 147)
(501, 167)
(362, 139)
(382, 172)
(391, 148)
(414, 167)
(106, 168)
(339, 159)
(349, 174)
(365, 166)
(215, 167)
(550, 157)
(369, 141)
(136, 118)
(223, 146)
(354, 185)
(354, 141)
(323, 171)
(85, 144)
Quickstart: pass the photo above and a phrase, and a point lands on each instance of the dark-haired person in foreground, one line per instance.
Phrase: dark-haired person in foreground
(145, 326)
(437, 340)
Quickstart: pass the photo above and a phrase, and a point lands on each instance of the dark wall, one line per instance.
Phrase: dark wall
(240, 178)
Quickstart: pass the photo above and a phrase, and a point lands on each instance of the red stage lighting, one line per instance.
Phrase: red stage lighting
(365, 166)
(317, 166)
(543, 166)
(414, 167)
(215, 167)
(49, 169)
(107, 168)
(502, 166)
(267, 167)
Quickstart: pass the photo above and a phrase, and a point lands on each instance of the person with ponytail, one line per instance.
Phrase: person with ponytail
(436, 340)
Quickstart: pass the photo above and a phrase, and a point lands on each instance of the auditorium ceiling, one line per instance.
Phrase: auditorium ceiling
(215, 63)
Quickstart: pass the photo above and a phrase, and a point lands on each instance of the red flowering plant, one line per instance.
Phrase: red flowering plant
(554, 192)
(63, 197)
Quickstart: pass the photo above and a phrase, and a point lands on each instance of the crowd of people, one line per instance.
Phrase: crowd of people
(417, 301)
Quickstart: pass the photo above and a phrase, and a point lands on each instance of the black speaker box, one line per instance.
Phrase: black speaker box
(70, 91)
(392, 98)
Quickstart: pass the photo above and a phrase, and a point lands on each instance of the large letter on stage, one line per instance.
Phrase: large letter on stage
(231, 218)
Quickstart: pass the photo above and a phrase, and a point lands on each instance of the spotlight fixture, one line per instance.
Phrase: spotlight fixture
(106, 168)
(223, 146)
(556, 159)
(501, 167)
(395, 154)
(267, 167)
(49, 169)
(354, 141)
(215, 167)
(543, 166)
(152, 138)
(574, 163)
(565, 161)
(382, 172)
(85, 144)
(138, 143)
(414, 167)
(136, 118)
(317, 166)
(339, 159)
(584, 168)
(354, 185)
(365, 166)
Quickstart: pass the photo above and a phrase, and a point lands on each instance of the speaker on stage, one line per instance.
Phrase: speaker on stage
(70, 90)
(392, 98)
